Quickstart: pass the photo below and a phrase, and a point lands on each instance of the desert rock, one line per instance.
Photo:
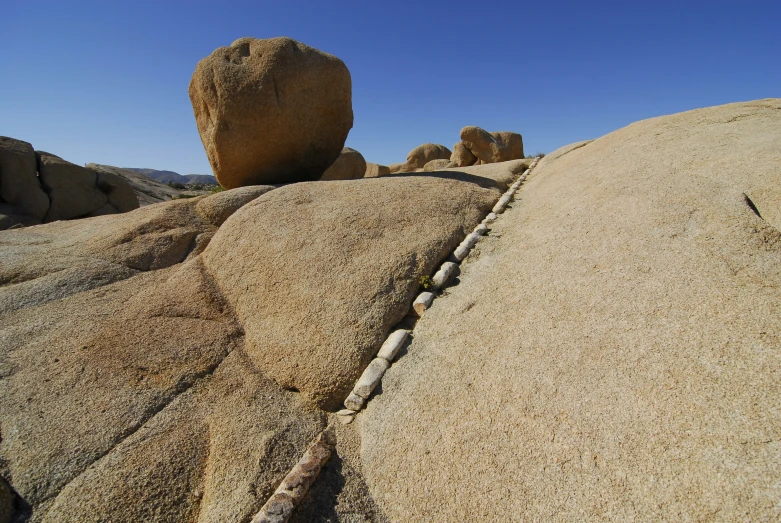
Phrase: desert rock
(20, 187)
(462, 156)
(436, 165)
(492, 147)
(422, 154)
(71, 188)
(614, 345)
(374, 170)
(218, 207)
(271, 111)
(350, 165)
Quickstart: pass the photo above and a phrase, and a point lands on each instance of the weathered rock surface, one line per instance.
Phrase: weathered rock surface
(218, 207)
(492, 147)
(336, 267)
(350, 165)
(374, 170)
(271, 111)
(72, 189)
(613, 352)
(462, 156)
(436, 165)
(422, 154)
(20, 187)
(139, 381)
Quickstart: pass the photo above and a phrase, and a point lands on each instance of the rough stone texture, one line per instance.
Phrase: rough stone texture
(350, 165)
(374, 170)
(512, 142)
(613, 353)
(133, 402)
(371, 377)
(218, 207)
(336, 266)
(395, 168)
(443, 275)
(20, 187)
(58, 259)
(392, 344)
(462, 156)
(119, 193)
(422, 303)
(271, 111)
(71, 188)
(436, 165)
(422, 154)
(492, 147)
(354, 402)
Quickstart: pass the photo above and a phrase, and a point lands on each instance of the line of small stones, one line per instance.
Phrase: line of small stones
(279, 507)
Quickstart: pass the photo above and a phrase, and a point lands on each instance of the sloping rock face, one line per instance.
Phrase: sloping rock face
(142, 378)
(271, 111)
(335, 268)
(350, 165)
(613, 351)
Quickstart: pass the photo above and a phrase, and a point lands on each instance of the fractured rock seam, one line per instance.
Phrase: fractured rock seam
(279, 507)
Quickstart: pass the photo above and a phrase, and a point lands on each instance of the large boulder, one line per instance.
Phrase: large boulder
(422, 154)
(271, 111)
(71, 188)
(462, 156)
(335, 267)
(350, 165)
(374, 170)
(118, 191)
(20, 187)
(492, 147)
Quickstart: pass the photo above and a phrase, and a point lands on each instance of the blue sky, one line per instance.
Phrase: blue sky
(107, 81)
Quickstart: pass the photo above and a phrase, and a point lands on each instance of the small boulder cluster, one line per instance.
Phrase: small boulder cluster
(477, 147)
(38, 187)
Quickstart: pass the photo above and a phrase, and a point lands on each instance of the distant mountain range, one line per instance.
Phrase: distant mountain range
(170, 176)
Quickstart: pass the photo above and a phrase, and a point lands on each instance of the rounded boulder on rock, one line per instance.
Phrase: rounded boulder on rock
(350, 165)
(271, 111)
(422, 154)
(462, 156)
(492, 147)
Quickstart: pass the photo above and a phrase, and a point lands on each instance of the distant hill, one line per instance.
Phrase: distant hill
(170, 176)
(147, 189)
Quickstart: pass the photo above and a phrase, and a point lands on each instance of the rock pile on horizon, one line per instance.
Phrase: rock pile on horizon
(271, 111)
(39, 187)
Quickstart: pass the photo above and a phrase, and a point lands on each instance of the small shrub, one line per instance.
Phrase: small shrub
(540, 154)
(215, 190)
(183, 196)
(426, 283)
(174, 185)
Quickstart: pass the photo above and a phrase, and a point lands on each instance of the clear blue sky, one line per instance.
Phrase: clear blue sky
(106, 81)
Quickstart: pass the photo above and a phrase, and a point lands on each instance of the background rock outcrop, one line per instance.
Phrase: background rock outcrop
(420, 156)
(39, 187)
(350, 165)
(492, 147)
(271, 111)
(374, 170)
